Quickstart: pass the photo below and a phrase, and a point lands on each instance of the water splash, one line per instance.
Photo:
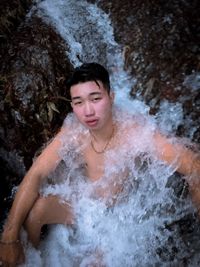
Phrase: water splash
(192, 81)
(140, 227)
(141, 230)
(88, 32)
(170, 116)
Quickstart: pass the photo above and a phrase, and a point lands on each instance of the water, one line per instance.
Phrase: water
(140, 229)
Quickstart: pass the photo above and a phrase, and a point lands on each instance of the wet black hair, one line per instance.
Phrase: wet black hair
(90, 72)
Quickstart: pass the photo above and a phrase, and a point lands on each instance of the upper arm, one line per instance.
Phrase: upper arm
(187, 161)
(48, 160)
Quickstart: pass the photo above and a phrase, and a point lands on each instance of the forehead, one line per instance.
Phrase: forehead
(86, 88)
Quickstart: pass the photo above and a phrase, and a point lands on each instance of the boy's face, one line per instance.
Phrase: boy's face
(92, 104)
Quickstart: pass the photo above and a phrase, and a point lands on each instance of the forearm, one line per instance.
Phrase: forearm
(187, 161)
(23, 202)
(29, 188)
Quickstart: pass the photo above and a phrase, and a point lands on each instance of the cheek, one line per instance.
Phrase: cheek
(78, 113)
(105, 109)
(107, 106)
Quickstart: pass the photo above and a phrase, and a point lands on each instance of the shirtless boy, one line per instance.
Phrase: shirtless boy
(92, 102)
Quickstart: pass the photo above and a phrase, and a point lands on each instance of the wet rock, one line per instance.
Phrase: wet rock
(34, 100)
(160, 46)
(33, 97)
(13, 12)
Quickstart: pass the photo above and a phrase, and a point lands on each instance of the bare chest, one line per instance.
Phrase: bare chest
(94, 163)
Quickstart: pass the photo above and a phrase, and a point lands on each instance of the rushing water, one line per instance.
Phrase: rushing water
(142, 229)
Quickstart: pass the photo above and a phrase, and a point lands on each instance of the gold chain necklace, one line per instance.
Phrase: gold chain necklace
(106, 145)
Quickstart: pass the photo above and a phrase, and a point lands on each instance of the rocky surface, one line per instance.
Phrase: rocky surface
(161, 40)
(33, 100)
(160, 45)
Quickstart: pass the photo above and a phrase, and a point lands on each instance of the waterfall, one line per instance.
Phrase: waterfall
(89, 36)
(88, 32)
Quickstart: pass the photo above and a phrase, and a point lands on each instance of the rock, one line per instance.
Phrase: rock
(33, 97)
(160, 46)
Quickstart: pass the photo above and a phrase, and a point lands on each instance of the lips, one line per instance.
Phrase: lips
(92, 122)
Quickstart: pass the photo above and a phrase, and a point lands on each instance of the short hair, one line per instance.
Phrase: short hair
(90, 72)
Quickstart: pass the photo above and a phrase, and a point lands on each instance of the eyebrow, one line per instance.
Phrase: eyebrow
(91, 94)
(95, 93)
(76, 97)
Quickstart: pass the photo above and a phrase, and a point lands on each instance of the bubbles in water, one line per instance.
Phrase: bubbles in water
(170, 116)
(130, 228)
(88, 32)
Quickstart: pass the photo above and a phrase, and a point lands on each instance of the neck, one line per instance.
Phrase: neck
(102, 135)
(100, 143)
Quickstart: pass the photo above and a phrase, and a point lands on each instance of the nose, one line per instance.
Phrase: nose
(88, 109)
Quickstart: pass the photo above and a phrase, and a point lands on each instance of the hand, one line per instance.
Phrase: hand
(11, 254)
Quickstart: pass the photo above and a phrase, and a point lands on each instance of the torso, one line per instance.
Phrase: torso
(94, 164)
(97, 167)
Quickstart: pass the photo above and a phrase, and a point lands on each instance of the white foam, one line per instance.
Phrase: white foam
(132, 232)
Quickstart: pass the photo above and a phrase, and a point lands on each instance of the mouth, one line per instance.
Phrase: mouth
(92, 122)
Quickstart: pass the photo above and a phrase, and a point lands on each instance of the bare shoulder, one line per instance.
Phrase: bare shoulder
(170, 149)
(49, 158)
(137, 124)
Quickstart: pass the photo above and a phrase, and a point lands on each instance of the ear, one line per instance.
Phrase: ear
(112, 96)
(71, 104)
